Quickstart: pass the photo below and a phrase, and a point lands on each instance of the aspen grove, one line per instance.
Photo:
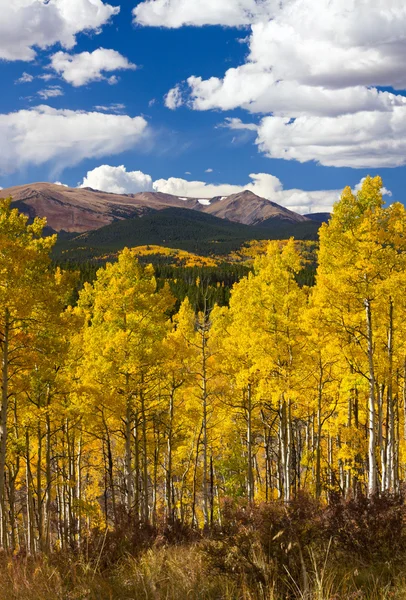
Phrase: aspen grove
(120, 405)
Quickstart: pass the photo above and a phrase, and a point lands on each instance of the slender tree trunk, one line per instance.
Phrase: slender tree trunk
(372, 468)
(250, 478)
(3, 424)
(129, 497)
(48, 479)
(169, 459)
(137, 478)
(318, 442)
(30, 500)
(40, 506)
(110, 468)
(204, 430)
(391, 435)
(145, 481)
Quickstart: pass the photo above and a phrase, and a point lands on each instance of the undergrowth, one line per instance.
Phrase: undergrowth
(349, 550)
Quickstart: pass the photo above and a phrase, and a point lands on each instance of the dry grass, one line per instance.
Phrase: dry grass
(178, 573)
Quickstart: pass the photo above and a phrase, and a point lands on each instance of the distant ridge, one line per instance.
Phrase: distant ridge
(181, 229)
(78, 210)
(322, 217)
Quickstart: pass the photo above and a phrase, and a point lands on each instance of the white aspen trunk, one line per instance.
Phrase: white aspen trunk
(319, 427)
(391, 471)
(3, 425)
(169, 503)
(145, 482)
(129, 497)
(372, 468)
(204, 432)
(250, 478)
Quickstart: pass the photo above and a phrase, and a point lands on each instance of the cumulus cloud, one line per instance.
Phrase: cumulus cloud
(50, 22)
(80, 69)
(310, 65)
(258, 91)
(323, 59)
(64, 137)
(117, 180)
(176, 13)
(173, 98)
(120, 181)
(364, 140)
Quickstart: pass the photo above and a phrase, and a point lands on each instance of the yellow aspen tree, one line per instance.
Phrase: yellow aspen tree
(360, 252)
(127, 321)
(24, 281)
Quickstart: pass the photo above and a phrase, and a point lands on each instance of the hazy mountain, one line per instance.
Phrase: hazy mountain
(322, 217)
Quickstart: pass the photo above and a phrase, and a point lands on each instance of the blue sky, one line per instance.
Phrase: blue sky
(171, 40)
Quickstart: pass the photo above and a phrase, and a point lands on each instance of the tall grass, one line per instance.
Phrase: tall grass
(353, 550)
(177, 573)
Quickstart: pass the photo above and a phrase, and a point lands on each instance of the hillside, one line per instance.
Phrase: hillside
(77, 210)
(178, 228)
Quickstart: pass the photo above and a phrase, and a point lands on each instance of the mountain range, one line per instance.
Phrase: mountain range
(101, 222)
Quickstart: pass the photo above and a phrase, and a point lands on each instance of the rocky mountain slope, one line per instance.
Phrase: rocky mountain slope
(84, 209)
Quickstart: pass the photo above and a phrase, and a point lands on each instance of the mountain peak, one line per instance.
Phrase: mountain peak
(84, 209)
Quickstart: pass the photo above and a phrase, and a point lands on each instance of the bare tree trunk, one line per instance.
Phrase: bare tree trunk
(204, 431)
(48, 479)
(372, 468)
(391, 472)
(40, 504)
(250, 478)
(318, 442)
(30, 501)
(129, 496)
(169, 503)
(145, 481)
(3, 424)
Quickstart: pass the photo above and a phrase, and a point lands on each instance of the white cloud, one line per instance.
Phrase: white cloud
(50, 22)
(115, 107)
(64, 137)
(60, 183)
(173, 98)
(364, 140)
(25, 78)
(117, 180)
(176, 13)
(209, 171)
(321, 64)
(52, 91)
(120, 181)
(260, 91)
(233, 123)
(80, 69)
(47, 76)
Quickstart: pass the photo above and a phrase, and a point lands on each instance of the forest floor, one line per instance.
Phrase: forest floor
(180, 573)
(348, 550)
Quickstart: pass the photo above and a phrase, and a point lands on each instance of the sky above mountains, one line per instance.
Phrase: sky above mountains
(293, 99)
